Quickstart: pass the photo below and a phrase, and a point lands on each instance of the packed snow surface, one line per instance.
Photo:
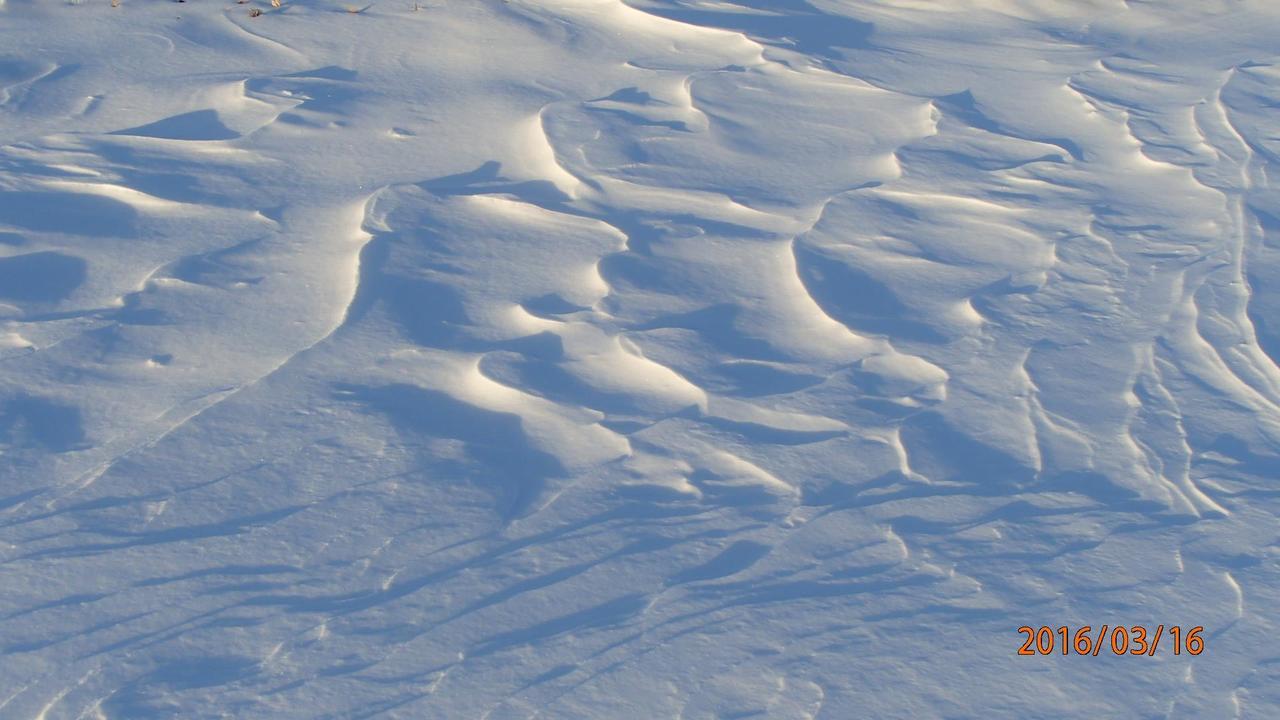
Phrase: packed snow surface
(637, 358)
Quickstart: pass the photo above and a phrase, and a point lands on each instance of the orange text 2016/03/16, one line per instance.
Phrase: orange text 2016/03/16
(1117, 640)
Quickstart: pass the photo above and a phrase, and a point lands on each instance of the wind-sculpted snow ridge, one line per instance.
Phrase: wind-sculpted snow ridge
(657, 358)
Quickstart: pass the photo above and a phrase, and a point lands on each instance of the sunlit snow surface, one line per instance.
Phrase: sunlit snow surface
(637, 359)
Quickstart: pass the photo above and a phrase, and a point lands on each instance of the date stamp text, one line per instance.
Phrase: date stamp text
(1118, 640)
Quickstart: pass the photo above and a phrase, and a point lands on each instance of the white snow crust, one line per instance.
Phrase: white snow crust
(637, 358)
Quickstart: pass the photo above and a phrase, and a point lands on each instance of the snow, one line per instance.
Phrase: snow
(636, 358)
